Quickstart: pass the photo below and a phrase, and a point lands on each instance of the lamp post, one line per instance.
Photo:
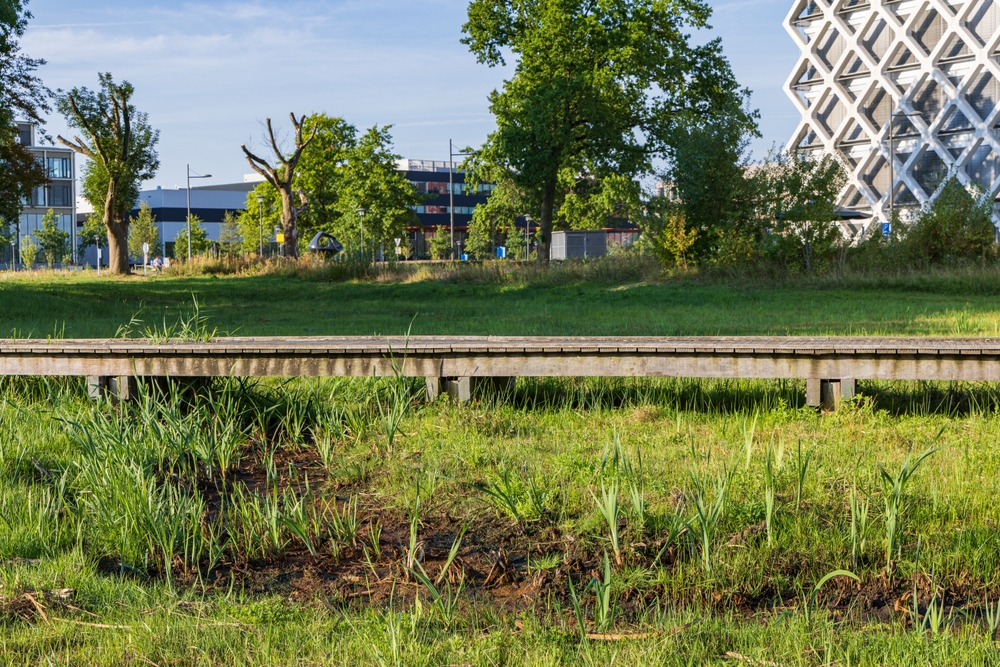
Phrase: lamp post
(189, 177)
(13, 241)
(451, 190)
(527, 238)
(361, 217)
(260, 208)
(892, 160)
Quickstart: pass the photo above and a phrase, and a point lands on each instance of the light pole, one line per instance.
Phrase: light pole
(892, 160)
(527, 239)
(361, 217)
(451, 190)
(189, 177)
(13, 240)
(260, 208)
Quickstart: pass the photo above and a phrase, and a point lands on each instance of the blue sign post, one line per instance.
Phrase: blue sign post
(886, 228)
(501, 253)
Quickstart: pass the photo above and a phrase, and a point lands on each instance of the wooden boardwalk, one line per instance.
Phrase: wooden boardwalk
(829, 363)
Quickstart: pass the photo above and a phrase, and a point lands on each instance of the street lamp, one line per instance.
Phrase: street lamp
(361, 216)
(892, 159)
(13, 241)
(189, 177)
(260, 207)
(451, 190)
(527, 239)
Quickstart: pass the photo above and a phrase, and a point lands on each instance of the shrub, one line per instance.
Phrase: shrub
(29, 252)
(956, 226)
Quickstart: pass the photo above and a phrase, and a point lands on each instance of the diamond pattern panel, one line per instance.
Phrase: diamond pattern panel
(931, 66)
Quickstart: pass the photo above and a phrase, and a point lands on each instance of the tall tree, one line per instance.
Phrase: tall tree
(258, 218)
(597, 86)
(281, 176)
(143, 229)
(322, 172)
(22, 95)
(121, 146)
(373, 183)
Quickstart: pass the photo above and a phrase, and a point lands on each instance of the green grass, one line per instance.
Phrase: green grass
(957, 304)
(306, 522)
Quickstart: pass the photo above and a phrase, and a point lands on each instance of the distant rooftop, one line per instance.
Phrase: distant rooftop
(424, 165)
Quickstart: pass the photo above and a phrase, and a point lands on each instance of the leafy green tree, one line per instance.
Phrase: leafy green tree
(479, 242)
(956, 226)
(322, 172)
(53, 241)
(29, 252)
(143, 229)
(597, 87)
(23, 95)
(711, 177)
(199, 240)
(230, 235)
(257, 234)
(372, 182)
(801, 198)
(93, 233)
(515, 243)
(592, 203)
(441, 243)
(121, 147)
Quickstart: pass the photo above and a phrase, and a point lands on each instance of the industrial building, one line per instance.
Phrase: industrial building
(904, 93)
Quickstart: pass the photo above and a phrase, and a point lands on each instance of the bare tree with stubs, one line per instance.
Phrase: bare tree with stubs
(281, 175)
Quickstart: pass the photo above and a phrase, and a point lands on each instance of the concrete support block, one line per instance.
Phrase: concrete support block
(433, 388)
(459, 389)
(117, 388)
(813, 396)
(97, 387)
(827, 395)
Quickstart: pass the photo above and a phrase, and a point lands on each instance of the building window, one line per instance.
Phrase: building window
(25, 135)
(437, 188)
(60, 195)
(59, 167)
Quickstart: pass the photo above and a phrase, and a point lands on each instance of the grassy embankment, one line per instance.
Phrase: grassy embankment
(687, 522)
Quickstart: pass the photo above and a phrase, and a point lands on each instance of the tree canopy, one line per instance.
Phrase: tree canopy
(597, 88)
(22, 96)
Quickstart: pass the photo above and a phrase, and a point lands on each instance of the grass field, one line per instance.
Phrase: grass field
(347, 522)
(83, 306)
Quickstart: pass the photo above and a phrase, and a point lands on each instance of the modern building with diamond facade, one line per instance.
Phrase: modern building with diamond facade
(926, 73)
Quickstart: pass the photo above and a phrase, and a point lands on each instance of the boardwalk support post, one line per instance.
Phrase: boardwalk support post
(827, 395)
(117, 388)
(462, 389)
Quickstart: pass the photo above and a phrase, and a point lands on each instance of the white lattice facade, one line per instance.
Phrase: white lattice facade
(937, 61)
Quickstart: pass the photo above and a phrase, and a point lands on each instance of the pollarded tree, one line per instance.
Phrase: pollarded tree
(121, 146)
(597, 86)
(281, 176)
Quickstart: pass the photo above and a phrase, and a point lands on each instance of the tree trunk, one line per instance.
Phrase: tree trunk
(545, 224)
(289, 224)
(118, 248)
(117, 233)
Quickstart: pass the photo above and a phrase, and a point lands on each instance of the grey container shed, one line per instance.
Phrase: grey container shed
(578, 245)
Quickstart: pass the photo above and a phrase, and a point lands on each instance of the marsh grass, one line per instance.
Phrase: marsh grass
(132, 507)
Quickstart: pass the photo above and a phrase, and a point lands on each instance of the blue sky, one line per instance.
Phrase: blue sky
(208, 73)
